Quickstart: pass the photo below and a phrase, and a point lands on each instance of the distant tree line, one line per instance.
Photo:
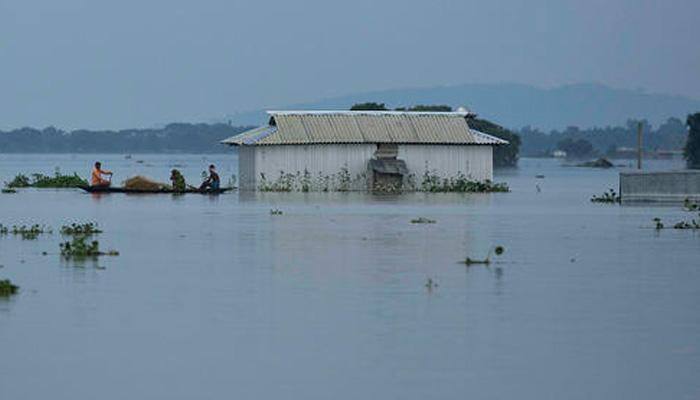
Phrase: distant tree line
(173, 138)
(581, 143)
(503, 156)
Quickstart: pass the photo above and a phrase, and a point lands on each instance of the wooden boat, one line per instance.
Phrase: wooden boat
(109, 189)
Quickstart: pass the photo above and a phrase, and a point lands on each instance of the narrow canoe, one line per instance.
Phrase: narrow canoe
(103, 189)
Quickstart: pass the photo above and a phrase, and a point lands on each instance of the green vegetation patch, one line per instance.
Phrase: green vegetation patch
(80, 248)
(607, 197)
(86, 229)
(7, 288)
(460, 184)
(45, 181)
(27, 232)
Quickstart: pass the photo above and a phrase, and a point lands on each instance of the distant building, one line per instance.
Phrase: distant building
(559, 154)
(359, 150)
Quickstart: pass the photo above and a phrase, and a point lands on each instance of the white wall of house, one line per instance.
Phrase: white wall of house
(474, 162)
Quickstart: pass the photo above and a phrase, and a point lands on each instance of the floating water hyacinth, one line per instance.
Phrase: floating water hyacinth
(88, 228)
(7, 288)
(27, 232)
(607, 197)
(80, 248)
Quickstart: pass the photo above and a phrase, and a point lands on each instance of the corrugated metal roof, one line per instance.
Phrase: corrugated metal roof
(319, 127)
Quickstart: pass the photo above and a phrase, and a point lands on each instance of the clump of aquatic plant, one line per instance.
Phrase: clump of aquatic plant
(692, 224)
(27, 232)
(85, 229)
(80, 248)
(8, 190)
(497, 250)
(7, 288)
(430, 284)
(689, 205)
(57, 180)
(306, 182)
(460, 183)
(422, 220)
(607, 197)
(275, 211)
(19, 181)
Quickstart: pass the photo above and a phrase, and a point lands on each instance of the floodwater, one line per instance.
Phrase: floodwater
(213, 297)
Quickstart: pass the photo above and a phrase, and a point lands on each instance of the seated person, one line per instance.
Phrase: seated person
(177, 180)
(212, 182)
(97, 176)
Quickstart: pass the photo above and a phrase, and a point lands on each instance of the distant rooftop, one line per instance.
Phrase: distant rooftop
(356, 127)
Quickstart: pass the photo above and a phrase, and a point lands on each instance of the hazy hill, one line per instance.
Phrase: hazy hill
(516, 105)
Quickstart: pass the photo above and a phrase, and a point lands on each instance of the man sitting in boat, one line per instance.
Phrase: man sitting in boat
(97, 176)
(212, 182)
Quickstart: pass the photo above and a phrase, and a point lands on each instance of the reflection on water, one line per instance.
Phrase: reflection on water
(213, 296)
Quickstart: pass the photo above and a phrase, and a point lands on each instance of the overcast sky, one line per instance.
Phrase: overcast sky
(129, 63)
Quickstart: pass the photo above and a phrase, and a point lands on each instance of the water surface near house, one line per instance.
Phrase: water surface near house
(214, 297)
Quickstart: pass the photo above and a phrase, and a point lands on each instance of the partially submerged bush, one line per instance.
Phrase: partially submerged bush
(19, 181)
(8, 190)
(607, 197)
(7, 288)
(460, 183)
(86, 229)
(79, 248)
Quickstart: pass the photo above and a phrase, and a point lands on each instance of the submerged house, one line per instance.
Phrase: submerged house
(360, 150)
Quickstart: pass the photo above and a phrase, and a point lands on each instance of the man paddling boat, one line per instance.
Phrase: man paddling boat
(97, 176)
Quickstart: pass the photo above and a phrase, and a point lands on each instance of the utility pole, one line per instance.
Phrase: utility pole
(639, 145)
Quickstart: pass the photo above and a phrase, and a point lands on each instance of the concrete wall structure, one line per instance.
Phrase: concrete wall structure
(666, 186)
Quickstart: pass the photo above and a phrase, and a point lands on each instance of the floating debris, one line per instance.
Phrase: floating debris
(608, 197)
(658, 224)
(79, 248)
(539, 176)
(86, 229)
(431, 284)
(599, 163)
(422, 220)
(692, 224)
(497, 250)
(275, 211)
(7, 288)
(689, 205)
